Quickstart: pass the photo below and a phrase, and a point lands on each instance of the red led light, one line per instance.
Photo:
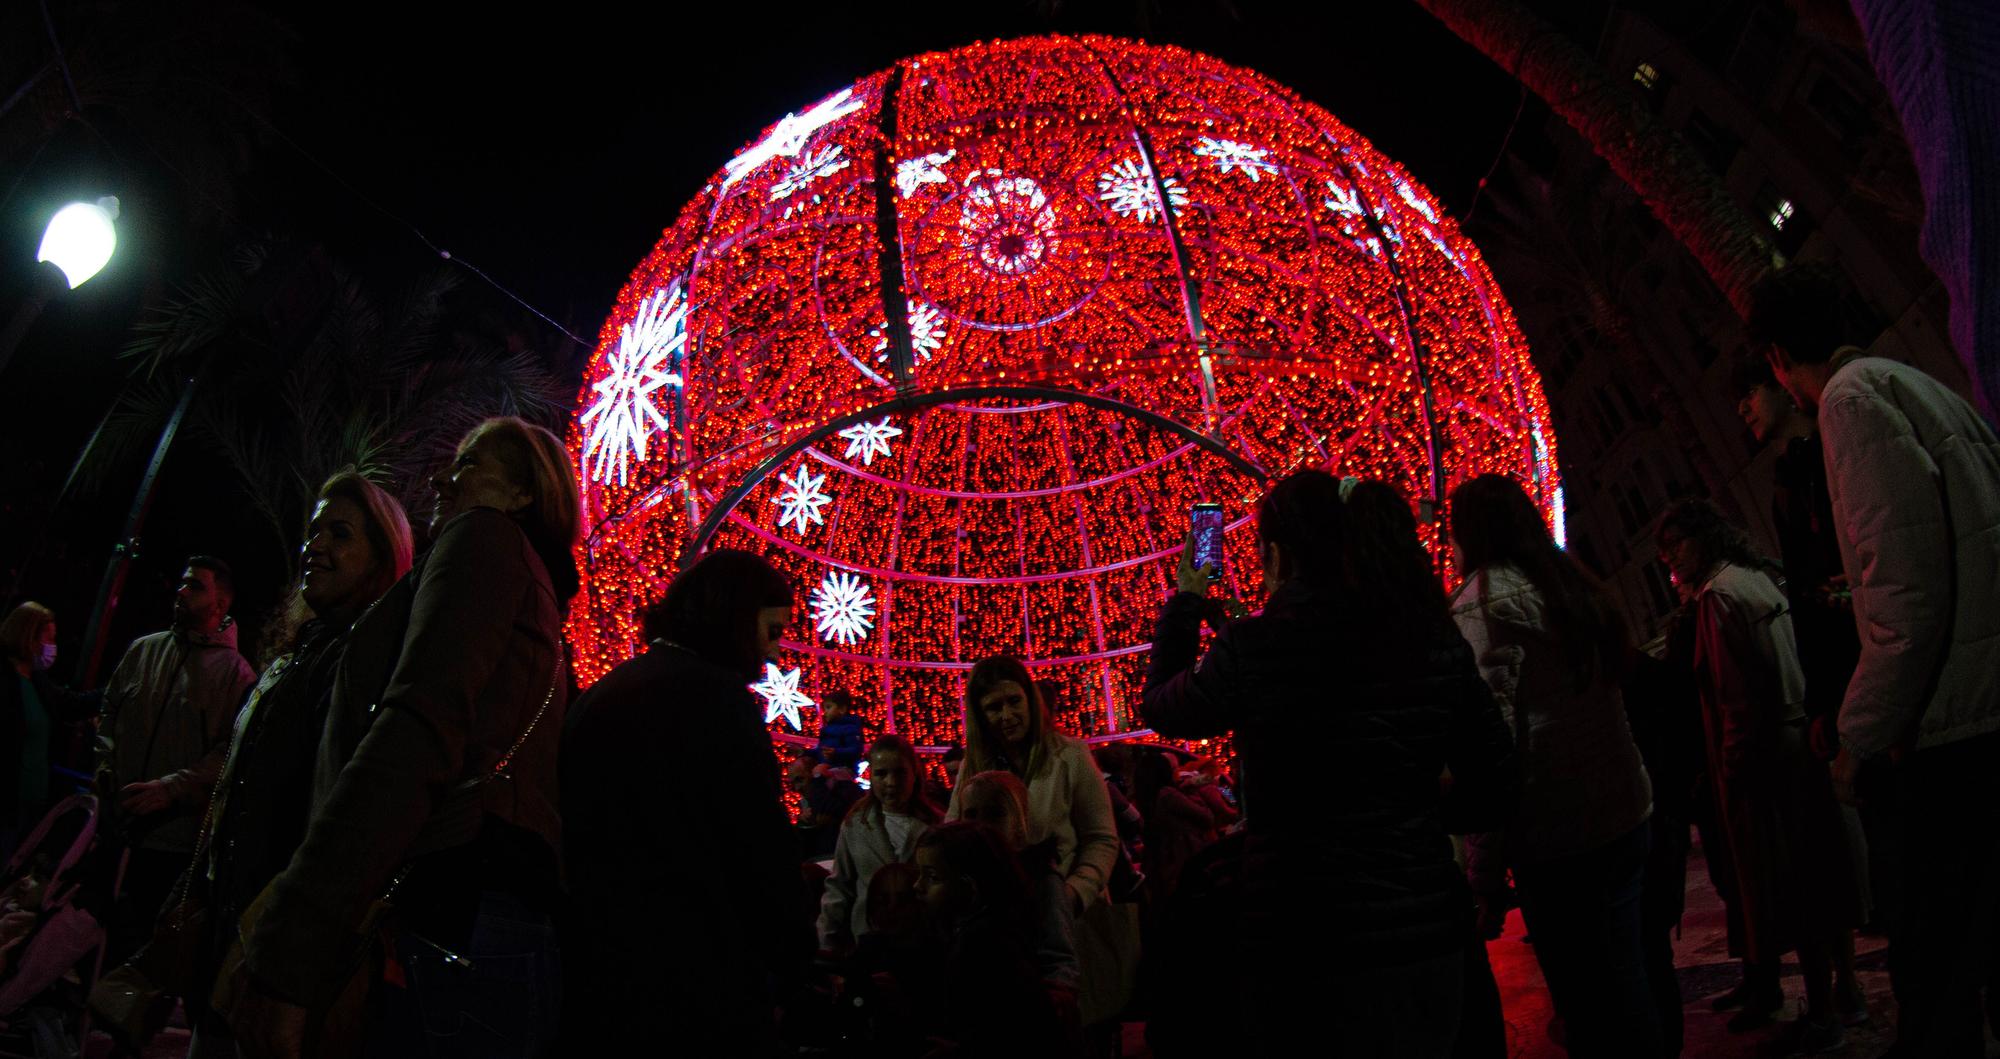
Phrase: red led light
(960, 346)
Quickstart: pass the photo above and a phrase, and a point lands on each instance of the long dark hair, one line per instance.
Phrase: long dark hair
(1493, 521)
(711, 609)
(1304, 517)
(538, 463)
(1385, 564)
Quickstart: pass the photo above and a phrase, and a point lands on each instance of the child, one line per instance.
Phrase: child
(840, 735)
(979, 909)
(1000, 801)
(881, 829)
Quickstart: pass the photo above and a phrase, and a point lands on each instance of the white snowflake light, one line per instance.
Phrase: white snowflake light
(801, 499)
(843, 608)
(926, 334)
(1344, 200)
(869, 440)
(1346, 203)
(1008, 222)
(913, 173)
(1228, 155)
(788, 137)
(782, 697)
(624, 415)
(1128, 189)
(819, 162)
(1409, 195)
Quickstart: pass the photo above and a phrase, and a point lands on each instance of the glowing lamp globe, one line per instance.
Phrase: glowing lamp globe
(960, 345)
(80, 239)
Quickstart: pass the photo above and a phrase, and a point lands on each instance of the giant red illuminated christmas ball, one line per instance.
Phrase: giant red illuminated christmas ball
(960, 345)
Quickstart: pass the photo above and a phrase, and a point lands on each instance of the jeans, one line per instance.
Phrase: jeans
(1583, 910)
(496, 999)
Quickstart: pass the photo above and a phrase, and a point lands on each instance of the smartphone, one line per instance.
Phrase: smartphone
(1207, 522)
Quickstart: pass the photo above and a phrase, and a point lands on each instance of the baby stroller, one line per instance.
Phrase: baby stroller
(48, 925)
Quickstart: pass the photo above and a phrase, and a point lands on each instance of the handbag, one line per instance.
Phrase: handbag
(134, 1000)
(1107, 954)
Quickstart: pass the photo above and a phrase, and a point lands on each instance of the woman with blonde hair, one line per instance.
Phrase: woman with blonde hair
(1007, 728)
(436, 784)
(357, 546)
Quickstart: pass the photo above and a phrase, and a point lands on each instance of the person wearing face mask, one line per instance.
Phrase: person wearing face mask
(32, 709)
(434, 791)
(357, 545)
(678, 928)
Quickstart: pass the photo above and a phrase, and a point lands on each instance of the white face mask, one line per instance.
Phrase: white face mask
(48, 658)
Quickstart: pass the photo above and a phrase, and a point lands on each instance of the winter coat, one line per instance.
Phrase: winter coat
(442, 677)
(1787, 842)
(167, 712)
(1583, 784)
(265, 798)
(1067, 802)
(1177, 827)
(842, 741)
(1914, 477)
(63, 707)
(863, 848)
(680, 903)
(1344, 726)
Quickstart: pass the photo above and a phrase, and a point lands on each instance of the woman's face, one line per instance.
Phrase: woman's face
(1004, 710)
(1683, 559)
(893, 779)
(476, 478)
(341, 566)
(771, 622)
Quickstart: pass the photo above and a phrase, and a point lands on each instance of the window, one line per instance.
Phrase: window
(1789, 225)
(1646, 76)
(1832, 103)
(1716, 145)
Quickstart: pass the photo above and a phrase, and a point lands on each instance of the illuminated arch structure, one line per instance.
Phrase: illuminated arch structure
(959, 345)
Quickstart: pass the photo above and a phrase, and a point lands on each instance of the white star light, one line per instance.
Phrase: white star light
(801, 499)
(926, 334)
(788, 137)
(869, 440)
(1228, 154)
(782, 697)
(1128, 188)
(843, 608)
(624, 416)
(819, 162)
(913, 173)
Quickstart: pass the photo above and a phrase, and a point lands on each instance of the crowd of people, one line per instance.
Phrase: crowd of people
(397, 836)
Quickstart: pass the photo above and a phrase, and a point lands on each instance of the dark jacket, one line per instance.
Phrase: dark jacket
(1344, 728)
(265, 798)
(63, 706)
(1802, 510)
(842, 741)
(679, 902)
(441, 678)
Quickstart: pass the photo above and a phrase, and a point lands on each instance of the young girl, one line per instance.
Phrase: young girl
(881, 829)
(979, 910)
(1000, 801)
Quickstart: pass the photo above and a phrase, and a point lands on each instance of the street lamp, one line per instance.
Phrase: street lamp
(80, 239)
(78, 243)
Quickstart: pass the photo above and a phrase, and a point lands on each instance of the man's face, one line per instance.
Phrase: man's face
(1785, 369)
(199, 604)
(1764, 409)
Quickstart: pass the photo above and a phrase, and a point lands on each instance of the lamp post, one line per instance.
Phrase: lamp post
(77, 244)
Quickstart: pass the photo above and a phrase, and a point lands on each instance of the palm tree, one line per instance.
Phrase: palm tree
(304, 369)
(1681, 191)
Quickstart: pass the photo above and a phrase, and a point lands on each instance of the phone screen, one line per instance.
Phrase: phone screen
(1207, 520)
